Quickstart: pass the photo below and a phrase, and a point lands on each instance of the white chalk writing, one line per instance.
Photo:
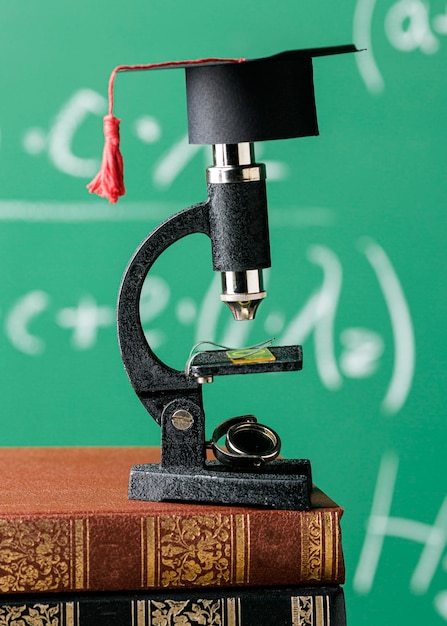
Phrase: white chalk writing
(382, 525)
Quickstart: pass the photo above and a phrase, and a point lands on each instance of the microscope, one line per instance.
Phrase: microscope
(231, 105)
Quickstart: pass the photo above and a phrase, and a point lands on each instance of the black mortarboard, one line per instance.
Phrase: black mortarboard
(267, 98)
(230, 101)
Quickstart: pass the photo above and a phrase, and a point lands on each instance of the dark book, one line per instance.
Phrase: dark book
(67, 525)
(288, 606)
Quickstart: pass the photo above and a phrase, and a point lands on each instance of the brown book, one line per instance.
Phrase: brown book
(66, 524)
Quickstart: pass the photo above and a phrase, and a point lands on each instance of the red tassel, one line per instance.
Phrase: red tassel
(109, 181)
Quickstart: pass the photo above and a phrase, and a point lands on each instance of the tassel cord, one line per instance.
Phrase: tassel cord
(109, 182)
(156, 66)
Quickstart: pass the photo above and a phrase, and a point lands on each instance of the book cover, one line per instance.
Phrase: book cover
(66, 524)
(296, 606)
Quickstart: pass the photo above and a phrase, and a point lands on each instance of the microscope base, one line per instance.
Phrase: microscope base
(282, 484)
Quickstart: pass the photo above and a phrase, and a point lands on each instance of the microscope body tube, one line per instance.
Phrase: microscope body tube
(239, 226)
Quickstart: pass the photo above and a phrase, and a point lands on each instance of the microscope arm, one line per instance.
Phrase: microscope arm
(154, 382)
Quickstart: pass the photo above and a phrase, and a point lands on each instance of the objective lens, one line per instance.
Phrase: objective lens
(242, 292)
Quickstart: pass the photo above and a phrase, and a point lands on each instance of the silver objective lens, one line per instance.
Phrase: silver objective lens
(242, 292)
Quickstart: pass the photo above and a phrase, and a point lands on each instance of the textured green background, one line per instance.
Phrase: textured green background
(358, 221)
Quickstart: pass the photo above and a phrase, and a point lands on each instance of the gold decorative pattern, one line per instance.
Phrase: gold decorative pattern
(80, 530)
(336, 543)
(302, 611)
(216, 612)
(151, 562)
(200, 550)
(242, 552)
(322, 612)
(138, 613)
(70, 613)
(34, 555)
(328, 520)
(312, 548)
(195, 550)
(310, 611)
(38, 615)
(233, 611)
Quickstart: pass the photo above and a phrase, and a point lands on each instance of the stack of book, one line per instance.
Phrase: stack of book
(74, 551)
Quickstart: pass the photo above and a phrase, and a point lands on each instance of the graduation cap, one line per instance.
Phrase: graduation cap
(229, 101)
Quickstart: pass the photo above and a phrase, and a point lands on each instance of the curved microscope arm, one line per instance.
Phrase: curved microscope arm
(161, 389)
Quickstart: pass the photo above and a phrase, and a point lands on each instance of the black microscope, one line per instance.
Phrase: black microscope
(230, 106)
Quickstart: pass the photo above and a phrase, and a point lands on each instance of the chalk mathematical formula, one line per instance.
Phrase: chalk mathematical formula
(313, 321)
(385, 525)
(407, 25)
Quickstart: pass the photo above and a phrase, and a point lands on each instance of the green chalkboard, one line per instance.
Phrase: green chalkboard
(358, 227)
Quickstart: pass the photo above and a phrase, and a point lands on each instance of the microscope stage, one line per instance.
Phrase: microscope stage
(220, 363)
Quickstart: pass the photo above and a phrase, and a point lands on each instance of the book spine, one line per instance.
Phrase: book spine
(126, 552)
(297, 606)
